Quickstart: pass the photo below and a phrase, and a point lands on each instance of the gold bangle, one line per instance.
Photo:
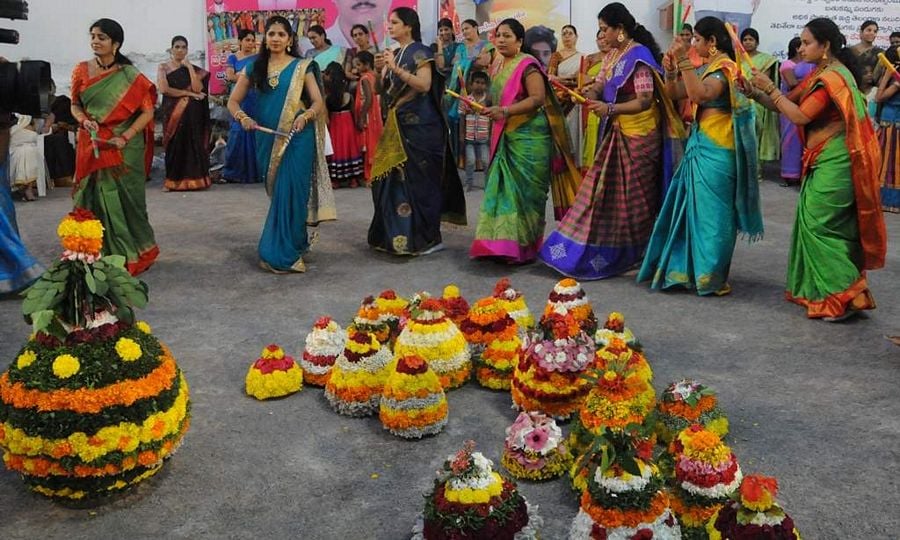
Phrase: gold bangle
(771, 88)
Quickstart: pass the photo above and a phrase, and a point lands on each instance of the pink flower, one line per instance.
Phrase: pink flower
(536, 440)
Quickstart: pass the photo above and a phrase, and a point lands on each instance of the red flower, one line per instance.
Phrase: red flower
(388, 295)
(432, 304)
(501, 287)
(643, 534)
(412, 365)
(322, 322)
(598, 532)
(82, 214)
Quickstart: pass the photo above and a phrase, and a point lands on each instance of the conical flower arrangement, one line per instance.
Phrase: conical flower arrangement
(273, 375)
(614, 327)
(514, 303)
(358, 376)
(493, 334)
(454, 305)
(619, 352)
(569, 295)
(432, 336)
(93, 403)
(369, 319)
(753, 513)
(321, 349)
(535, 448)
(685, 403)
(413, 403)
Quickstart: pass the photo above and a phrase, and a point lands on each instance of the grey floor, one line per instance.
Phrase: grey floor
(813, 404)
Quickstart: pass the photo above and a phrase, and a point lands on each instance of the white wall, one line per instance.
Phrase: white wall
(584, 18)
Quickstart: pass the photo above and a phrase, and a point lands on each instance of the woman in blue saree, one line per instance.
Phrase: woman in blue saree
(240, 154)
(17, 267)
(289, 102)
(714, 193)
(415, 184)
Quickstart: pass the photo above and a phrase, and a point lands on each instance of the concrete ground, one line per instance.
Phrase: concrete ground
(812, 403)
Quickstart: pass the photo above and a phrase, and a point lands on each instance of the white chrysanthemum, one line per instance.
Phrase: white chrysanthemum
(583, 524)
(625, 482)
(717, 491)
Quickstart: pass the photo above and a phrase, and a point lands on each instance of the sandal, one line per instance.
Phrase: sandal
(266, 266)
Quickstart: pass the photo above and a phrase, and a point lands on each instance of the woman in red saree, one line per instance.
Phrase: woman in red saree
(185, 110)
(113, 104)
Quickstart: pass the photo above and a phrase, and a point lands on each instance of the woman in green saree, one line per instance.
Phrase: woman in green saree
(768, 128)
(113, 103)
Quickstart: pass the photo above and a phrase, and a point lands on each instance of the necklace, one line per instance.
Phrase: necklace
(101, 65)
(275, 74)
(610, 63)
(399, 60)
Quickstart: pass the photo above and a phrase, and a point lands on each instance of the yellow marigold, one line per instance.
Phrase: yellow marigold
(143, 327)
(451, 291)
(25, 359)
(610, 375)
(65, 365)
(128, 349)
(704, 445)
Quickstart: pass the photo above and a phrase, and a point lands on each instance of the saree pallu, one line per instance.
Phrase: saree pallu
(523, 151)
(240, 154)
(368, 137)
(295, 170)
(415, 182)
(768, 130)
(112, 184)
(714, 195)
(186, 134)
(839, 231)
(606, 231)
(791, 145)
(889, 141)
(591, 123)
(18, 268)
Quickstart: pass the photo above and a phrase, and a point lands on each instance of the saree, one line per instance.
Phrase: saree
(369, 135)
(714, 196)
(294, 169)
(415, 183)
(591, 123)
(18, 268)
(530, 154)
(889, 141)
(110, 182)
(606, 231)
(240, 154)
(768, 132)
(839, 232)
(463, 59)
(568, 69)
(186, 133)
(329, 55)
(791, 145)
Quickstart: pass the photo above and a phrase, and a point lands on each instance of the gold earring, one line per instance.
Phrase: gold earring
(621, 37)
(825, 56)
(713, 51)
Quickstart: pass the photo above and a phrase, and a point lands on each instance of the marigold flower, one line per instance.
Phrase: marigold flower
(25, 359)
(65, 365)
(143, 327)
(128, 349)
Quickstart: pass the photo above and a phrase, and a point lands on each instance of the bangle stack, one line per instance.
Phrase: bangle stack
(685, 64)
(610, 109)
(240, 115)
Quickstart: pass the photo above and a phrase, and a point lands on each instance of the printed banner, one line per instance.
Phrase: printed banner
(225, 18)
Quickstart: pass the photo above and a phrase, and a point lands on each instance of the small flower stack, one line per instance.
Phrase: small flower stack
(548, 378)
(322, 347)
(358, 376)
(614, 327)
(467, 487)
(514, 303)
(619, 352)
(624, 499)
(273, 375)
(434, 337)
(413, 403)
(494, 335)
(569, 295)
(706, 474)
(535, 449)
(454, 305)
(685, 403)
(752, 513)
(392, 309)
(369, 319)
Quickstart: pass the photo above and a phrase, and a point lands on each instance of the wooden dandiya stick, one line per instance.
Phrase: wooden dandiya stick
(738, 46)
(374, 37)
(581, 71)
(462, 81)
(275, 132)
(468, 101)
(575, 95)
(889, 66)
(684, 16)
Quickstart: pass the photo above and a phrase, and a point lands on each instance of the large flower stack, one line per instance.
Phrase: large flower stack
(273, 375)
(535, 449)
(392, 309)
(432, 336)
(685, 403)
(413, 403)
(706, 474)
(549, 376)
(624, 499)
(321, 349)
(369, 319)
(569, 295)
(614, 327)
(471, 501)
(454, 305)
(495, 342)
(753, 514)
(93, 403)
(358, 376)
(514, 303)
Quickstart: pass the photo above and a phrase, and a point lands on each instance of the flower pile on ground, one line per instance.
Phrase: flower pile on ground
(471, 501)
(569, 295)
(706, 474)
(753, 514)
(273, 375)
(624, 498)
(321, 349)
(496, 347)
(685, 403)
(93, 403)
(413, 403)
(392, 309)
(514, 303)
(369, 319)
(454, 305)
(614, 327)
(358, 376)
(535, 448)
(432, 336)
(549, 375)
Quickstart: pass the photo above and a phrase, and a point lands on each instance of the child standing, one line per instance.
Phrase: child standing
(367, 110)
(477, 126)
